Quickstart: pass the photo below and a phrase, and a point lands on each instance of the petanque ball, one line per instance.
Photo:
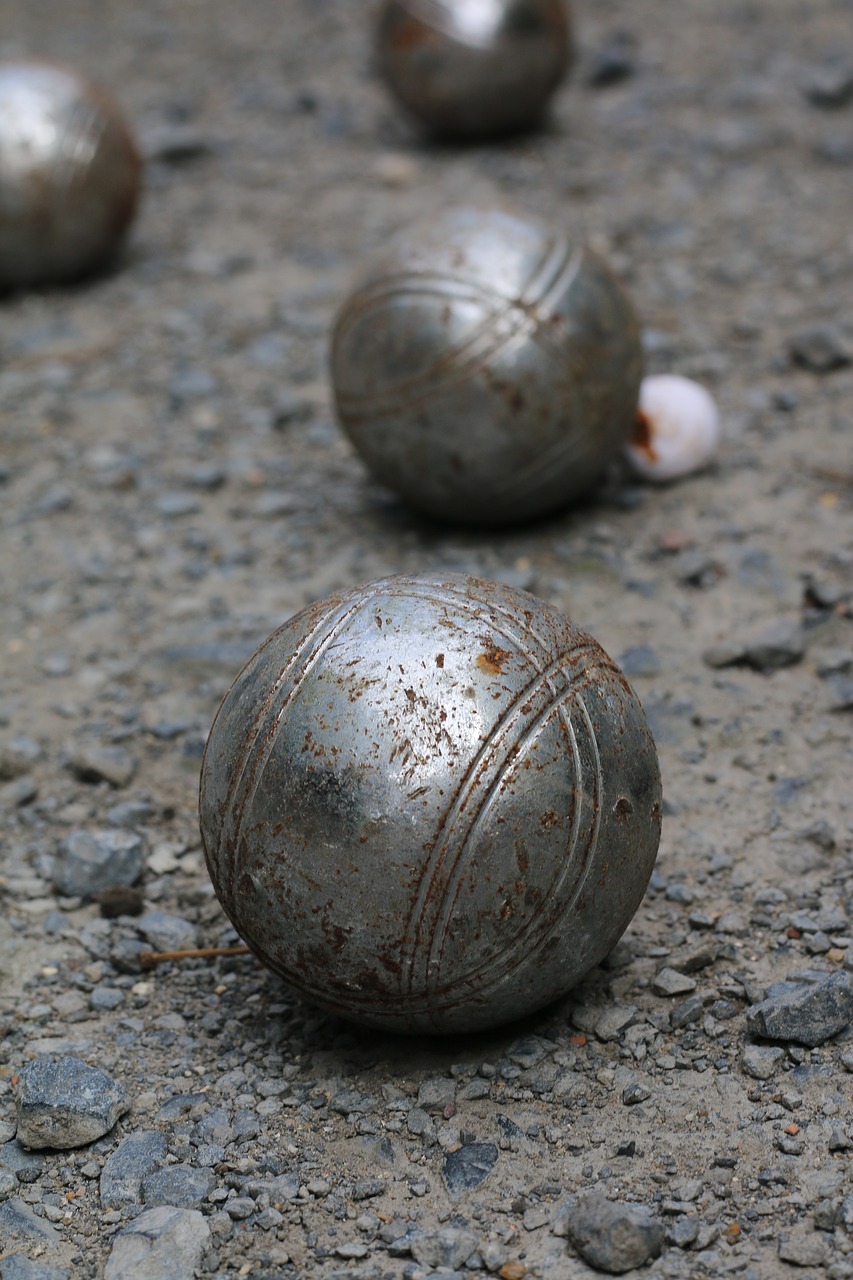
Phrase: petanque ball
(69, 175)
(486, 368)
(469, 69)
(431, 803)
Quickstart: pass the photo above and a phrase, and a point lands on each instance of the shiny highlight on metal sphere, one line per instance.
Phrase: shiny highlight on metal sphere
(431, 803)
(474, 68)
(69, 175)
(486, 368)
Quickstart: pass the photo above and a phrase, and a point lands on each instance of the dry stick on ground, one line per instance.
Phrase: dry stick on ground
(150, 959)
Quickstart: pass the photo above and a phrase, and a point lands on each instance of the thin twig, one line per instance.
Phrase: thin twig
(150, 959)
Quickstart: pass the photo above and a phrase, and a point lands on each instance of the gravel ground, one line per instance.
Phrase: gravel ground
(173, 486)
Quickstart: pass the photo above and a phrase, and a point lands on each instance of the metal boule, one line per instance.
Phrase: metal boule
(486, 367)
(430, 803)
(69, 174)
(474, 68)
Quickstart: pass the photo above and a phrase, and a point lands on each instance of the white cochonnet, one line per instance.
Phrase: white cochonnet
(678, 428)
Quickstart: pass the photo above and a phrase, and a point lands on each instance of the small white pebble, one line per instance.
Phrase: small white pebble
(678, 428)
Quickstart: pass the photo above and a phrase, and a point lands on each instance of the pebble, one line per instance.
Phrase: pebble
(166, 932)
(669, 982)
(88, 862)
(180, 1185)
(161, 1244)
(760, 1061)
(613, 62)
(684, 1231)
(18, 1224)
(469, 1166)
(63, 1103)
(830, 86)
(435, 1095)
(134, 1157)
(614, 1237)
(781, 644)
(821, 348)
(640, 660)
(16, 1266)
(104, 764)
(447, 1247)
(808, 1013)
(804, 1250)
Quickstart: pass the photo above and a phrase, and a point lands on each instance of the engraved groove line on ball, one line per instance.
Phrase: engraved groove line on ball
(499, 750)
(520, 318)
(259, 746)
(553, 274)
(455, 880)
(456, 600)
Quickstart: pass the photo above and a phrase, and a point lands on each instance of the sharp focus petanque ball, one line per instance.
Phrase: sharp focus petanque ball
(474, 68)
(69, 175)
(487, 368)
(431, 803)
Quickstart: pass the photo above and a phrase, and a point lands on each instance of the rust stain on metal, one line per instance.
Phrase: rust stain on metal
(493, 659)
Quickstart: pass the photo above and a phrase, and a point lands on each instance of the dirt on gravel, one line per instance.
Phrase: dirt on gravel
(173, 486)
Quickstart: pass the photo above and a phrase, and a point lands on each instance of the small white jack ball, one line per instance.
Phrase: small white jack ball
(677, 430)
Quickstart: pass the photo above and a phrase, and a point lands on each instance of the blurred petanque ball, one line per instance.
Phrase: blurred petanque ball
(69, 175)
(474, 68)
(430, 803)
(486, 368)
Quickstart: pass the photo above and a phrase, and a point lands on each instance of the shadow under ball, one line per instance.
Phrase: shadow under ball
(69, 175)
(474, 68)
(430, 803)
(486, 368)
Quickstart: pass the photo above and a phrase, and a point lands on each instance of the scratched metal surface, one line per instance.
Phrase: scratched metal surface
(486, 367)
(431, 803)
(69, 174)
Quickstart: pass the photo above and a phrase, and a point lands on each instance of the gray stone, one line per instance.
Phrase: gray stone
(90, 861)
(435, 1095)
(367, 1188)
(26, 1164)
(283, 1188)
(165, 932)
(820, 348)
(134, 1157)
(447, 1247)
(845, 1213)
(689, 1010)
(63, 1102)
(8, 1184)
(804, 1249)
(808, 1014)
(760, 1061)
(830, 86)
(19, 1225)
(161, 1244)
(669, 982)
(104, 764)
(16, 1266)
(469, 1166)
(240, 1208)
(684, 1231)
(781, 644)
(178, 1184)
(640, 660)
(614, 1237)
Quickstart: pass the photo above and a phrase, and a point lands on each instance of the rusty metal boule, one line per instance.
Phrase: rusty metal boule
(69, 175)
(486, 367)
(474, 68)
(431, 803)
